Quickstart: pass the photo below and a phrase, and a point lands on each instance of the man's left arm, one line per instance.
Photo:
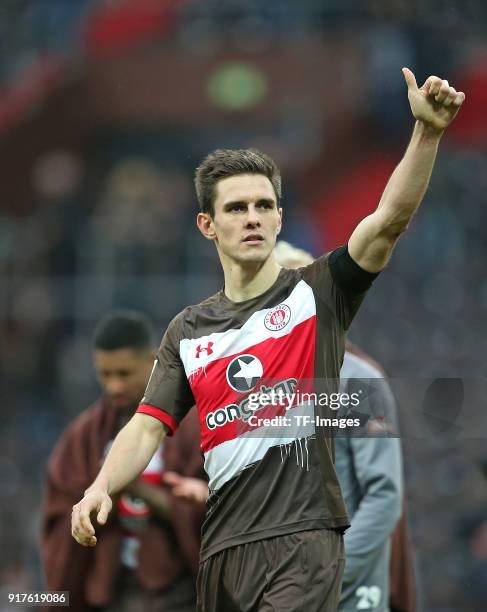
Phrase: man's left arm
(434, 106)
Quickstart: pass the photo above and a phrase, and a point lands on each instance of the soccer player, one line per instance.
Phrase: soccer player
(272, 537)
(369, 469)
(147, 555)
(369, 472)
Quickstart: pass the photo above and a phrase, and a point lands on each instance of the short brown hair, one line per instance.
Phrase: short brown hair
(223, 163)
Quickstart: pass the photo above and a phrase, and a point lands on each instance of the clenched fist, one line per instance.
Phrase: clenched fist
(435, 103)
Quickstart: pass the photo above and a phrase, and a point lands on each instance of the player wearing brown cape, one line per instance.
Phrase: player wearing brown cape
(169, 543)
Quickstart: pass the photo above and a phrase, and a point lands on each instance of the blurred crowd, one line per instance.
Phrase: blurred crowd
(116, 228)
(44, 27)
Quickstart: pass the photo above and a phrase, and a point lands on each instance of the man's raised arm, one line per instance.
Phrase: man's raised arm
(434, 106)
(129, 455)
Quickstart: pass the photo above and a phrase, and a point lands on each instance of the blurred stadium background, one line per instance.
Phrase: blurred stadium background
(106, 107)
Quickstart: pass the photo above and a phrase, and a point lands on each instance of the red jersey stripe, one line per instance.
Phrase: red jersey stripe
(290, 356)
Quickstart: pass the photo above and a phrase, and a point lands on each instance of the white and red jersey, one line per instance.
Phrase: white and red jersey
(268, 480)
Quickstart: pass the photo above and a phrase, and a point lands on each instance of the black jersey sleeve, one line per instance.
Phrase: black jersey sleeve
(338, 283)
(347, 274)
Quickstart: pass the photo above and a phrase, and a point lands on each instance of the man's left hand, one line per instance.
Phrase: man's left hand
(436, 103)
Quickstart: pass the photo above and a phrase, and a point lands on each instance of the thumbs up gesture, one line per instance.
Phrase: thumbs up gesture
(435, 103)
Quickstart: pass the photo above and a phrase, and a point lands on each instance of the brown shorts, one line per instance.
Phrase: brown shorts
(294, 572)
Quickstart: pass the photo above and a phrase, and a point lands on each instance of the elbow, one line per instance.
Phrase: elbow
(398, 229)
(394, 229)
(392, 223)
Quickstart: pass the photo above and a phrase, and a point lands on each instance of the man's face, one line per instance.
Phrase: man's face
(123, 375)
(246, 220)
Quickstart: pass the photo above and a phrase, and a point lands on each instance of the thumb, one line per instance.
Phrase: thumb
(103, 513)
(410, 79)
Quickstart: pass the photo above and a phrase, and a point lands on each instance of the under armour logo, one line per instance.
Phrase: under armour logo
(207, 348)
